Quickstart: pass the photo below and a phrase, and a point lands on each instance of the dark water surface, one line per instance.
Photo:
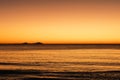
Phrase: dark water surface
(61, 63)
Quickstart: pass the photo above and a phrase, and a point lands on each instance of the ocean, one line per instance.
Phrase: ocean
(61, 62)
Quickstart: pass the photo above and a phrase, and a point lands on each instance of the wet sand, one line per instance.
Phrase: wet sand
(41, 75)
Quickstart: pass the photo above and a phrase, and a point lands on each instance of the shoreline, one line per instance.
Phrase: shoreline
(44, 75)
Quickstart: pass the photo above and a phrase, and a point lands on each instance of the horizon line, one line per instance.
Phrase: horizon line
(39, 43)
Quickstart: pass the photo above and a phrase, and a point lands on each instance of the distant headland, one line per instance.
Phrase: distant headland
(25, 43)
(37, 43)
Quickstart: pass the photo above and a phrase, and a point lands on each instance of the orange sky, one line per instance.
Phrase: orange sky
(60, 21)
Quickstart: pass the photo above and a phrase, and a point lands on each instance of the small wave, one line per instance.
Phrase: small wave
(62, 63)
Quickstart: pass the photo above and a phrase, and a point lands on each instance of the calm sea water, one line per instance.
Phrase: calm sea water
(49, 62)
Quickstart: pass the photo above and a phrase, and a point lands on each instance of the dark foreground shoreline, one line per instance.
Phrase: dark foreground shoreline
(44, 75)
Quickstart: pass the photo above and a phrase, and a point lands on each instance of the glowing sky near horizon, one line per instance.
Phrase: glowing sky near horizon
(60, 21)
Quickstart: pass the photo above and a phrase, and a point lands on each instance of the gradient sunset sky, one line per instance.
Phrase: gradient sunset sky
(60, 21)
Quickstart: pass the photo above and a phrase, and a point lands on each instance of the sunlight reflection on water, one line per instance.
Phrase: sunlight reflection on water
(61, 60)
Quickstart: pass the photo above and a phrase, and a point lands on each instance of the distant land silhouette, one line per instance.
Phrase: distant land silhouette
(37, 43)
(25, 43)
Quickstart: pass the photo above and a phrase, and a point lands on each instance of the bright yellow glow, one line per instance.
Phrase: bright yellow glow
(65, 22)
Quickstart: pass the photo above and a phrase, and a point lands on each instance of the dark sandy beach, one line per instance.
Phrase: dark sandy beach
(39, 75)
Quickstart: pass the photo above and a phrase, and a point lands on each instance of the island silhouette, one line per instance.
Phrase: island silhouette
(24, 43)
(36, 43)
